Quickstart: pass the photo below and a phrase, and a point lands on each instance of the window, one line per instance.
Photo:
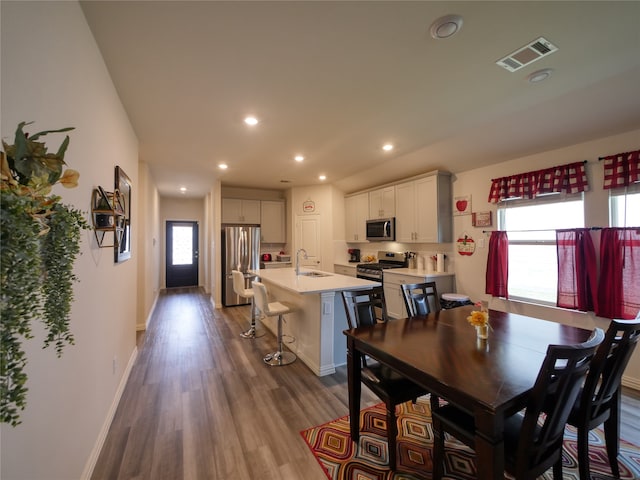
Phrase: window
(531, 225)
(624, 206)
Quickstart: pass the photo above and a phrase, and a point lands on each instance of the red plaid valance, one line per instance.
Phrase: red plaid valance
(621, 169)
(571, 178)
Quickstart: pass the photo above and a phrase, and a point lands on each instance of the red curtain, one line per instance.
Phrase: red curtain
(577, 270)
(570, 178)
(619, 285)
(621, 169)
(498, 265)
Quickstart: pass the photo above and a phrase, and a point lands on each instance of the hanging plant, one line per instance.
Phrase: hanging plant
(40, 240)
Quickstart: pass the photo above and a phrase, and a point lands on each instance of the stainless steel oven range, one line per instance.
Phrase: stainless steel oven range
(373, 271)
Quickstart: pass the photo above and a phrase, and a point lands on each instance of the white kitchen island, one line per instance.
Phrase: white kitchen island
(317, 324)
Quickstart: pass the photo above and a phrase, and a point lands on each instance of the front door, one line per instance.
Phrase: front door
(182, 254)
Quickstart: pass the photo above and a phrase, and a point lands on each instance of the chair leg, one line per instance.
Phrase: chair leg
(434, 401)
(557, 468)
(280, 357)
(252, 332)
(392, 433)
(583, 452)
(438, 449)
(612, 441)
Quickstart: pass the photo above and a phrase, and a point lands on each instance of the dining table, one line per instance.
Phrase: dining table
(489, 378)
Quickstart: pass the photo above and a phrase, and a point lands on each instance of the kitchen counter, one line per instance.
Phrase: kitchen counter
(275, 264)
(319, 317)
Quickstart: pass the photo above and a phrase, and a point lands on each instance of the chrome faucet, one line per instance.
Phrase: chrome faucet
(301, 250)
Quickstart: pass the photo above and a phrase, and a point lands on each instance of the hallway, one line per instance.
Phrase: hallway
(201, 404)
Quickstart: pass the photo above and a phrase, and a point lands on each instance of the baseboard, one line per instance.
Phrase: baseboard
(631, 382)
(95, 452)
(141, 327)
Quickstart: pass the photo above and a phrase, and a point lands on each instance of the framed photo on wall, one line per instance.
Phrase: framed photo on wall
(122, 197)
(481, 219)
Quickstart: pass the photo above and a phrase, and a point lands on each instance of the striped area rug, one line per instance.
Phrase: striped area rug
(341, 460)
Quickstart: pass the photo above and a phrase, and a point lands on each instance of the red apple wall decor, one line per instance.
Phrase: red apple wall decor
(462, 205)
(465, 245)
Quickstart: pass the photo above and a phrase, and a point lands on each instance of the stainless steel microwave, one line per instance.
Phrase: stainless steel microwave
(381, 230)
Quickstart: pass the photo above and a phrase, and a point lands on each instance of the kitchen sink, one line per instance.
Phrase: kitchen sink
(315, 274)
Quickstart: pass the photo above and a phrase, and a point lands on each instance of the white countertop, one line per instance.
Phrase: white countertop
(286, 278)
(417, 272)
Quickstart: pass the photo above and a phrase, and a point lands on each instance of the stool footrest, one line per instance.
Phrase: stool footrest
(278, 359)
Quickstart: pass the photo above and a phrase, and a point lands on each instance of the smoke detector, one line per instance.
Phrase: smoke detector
(528, 54)
(445, 27)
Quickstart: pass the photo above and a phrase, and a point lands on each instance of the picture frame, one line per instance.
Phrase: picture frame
(462, 205)
(482, 219)
(122, 205)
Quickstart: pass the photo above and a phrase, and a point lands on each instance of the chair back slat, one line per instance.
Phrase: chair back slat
(420, 298)
(365, 307)
(560, 379)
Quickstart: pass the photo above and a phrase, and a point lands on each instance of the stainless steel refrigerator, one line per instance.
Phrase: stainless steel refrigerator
(240, 251)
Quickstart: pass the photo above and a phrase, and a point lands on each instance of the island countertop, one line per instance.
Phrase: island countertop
(287, 279)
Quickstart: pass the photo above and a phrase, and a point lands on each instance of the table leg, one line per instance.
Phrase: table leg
(489, 446)
(354, 361)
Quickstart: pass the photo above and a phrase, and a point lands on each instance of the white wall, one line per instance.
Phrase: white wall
(53, 74)
(470, 271)
(189, 209)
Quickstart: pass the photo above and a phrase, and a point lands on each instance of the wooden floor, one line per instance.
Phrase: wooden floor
(200, 403)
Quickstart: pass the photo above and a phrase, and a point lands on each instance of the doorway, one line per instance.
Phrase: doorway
(182, 254)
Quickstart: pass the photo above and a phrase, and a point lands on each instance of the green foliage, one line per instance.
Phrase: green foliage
(40, 240)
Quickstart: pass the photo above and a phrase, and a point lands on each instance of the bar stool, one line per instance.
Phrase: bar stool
(238, 287)
(271, 309)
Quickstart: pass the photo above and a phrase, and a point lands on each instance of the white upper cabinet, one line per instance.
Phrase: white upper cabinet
(272, 222)
(356, 215)
(236, 210)
(382, 203)
(423, 209)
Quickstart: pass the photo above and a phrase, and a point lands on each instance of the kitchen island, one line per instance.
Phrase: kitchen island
(316, 326)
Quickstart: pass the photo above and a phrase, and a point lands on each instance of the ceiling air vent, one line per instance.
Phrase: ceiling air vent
(528, 54)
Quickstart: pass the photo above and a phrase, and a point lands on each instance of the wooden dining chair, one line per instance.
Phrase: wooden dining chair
(368, 307)
(532, 442)
(599, 401)
(420, 298)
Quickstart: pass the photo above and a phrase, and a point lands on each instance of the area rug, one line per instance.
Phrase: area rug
(341, 460)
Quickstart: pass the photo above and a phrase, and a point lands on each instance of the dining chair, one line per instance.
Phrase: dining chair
(599, 401)
(368, 307)
(274, 309)
(241, 290)
(420, 298)
(532, 442)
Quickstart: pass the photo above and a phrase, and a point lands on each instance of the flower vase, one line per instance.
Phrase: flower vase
(482, 331)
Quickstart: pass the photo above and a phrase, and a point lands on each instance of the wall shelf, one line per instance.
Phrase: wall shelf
(107, 216)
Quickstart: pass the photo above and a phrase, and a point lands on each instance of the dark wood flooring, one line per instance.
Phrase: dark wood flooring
(200, 403)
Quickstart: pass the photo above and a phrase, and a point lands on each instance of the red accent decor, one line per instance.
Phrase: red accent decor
(570, 178)
(619, 286)
(577, 269)
(498, 265)
(621, 169)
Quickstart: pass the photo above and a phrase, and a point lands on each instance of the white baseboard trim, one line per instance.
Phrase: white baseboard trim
(140, 327)
(95, 452)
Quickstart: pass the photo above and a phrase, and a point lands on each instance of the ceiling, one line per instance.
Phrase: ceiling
(334, 81)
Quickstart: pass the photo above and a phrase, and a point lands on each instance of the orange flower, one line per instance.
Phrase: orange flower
(70, 178)
(478, 318)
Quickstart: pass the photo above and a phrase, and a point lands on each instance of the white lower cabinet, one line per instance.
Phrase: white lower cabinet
(393, 290)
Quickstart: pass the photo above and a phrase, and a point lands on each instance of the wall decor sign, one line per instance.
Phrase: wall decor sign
(481, 219)
(308, 206)
(462, 205)
(465, 245)
(122, 244)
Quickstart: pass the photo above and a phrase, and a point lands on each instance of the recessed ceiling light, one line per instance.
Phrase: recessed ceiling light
(183, 189)
(298, 158)
(251, 121)
(446, 27)
(322, 177)
(387, 147)
(539, 75)
(223, 166)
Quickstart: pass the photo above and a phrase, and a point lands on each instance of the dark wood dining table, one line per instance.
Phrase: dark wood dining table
(489, 378)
